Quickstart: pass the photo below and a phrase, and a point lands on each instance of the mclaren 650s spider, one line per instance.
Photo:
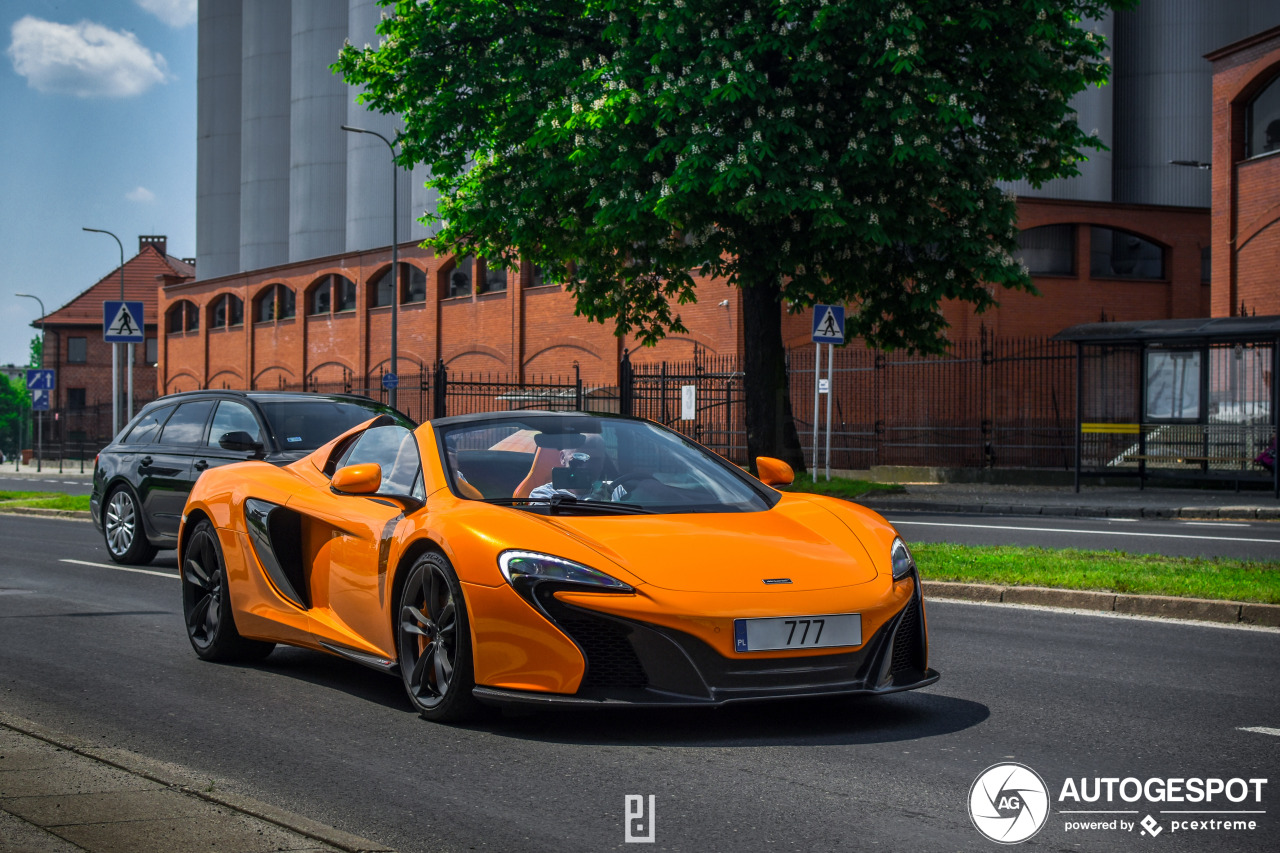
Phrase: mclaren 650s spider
(551, 558)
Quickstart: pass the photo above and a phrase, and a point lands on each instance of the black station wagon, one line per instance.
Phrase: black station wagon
(141, 480)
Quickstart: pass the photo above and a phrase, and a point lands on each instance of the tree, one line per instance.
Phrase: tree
(805, 151)
(15, 402)
(36, 350)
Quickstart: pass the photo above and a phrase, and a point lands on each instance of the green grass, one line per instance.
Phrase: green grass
(43, 500)
(1111, 571)
(838, 487)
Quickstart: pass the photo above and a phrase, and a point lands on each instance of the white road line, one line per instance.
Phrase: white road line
(122, 568)
(1216, 523)
(1091, 532)
(1100, 614)
(1262, 730)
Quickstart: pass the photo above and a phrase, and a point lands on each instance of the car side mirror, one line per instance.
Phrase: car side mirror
(774, 472)
(362, 479)
(239, 440)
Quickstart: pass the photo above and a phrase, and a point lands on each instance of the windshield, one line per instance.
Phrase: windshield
(305, 424)
(576, 462)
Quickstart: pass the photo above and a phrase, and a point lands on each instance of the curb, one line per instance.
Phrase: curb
(1264, 513)
(1162, 606)
(185, 782)
(73, 514)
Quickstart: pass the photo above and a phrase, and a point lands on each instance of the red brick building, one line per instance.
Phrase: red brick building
(1246, 176)
(75, 349)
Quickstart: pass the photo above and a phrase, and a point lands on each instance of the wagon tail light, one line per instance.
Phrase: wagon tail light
(525, 569)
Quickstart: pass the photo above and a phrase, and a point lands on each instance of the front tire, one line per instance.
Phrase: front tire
(122, 529)
(206, 602)
(433, 642)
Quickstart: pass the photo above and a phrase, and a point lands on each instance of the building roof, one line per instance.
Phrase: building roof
(142, 280)
(1191, 330)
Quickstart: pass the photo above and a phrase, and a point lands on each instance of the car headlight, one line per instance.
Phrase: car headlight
(903, 563)
(520, 567)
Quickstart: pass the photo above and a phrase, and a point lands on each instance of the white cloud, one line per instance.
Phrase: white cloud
(84, 59)
(175, 13)
(141, 194)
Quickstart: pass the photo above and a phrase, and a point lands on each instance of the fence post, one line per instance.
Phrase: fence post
(626, 385)
(440, 385)
(577, 392)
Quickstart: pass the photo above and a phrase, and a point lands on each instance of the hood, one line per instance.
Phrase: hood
(729, 552)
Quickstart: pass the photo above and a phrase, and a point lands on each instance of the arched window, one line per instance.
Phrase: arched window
(413, 284)
(228, 310)
(1262, 121)
(1048, 250)
(275, 302)
(461, 277)
(182, 317)
(493, 279)
(1119, 254)
(381, 289)
(331, 295)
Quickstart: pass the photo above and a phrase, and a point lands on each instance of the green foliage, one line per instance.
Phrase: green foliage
(1113, 571)
(843, 152)
(36, 348)
(15, 402)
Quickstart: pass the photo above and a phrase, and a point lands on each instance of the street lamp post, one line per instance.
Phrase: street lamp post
(115, 352)
(40, 415)
(395, 257)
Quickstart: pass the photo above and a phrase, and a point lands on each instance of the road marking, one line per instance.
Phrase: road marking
(1088, 532)
(1216, 523)
(1102, 614)
(122, 568)
(1262, 730)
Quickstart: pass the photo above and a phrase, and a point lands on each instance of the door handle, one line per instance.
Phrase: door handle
(146, 460)
(200, 465)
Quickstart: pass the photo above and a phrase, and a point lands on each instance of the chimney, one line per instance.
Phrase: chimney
(160, 241)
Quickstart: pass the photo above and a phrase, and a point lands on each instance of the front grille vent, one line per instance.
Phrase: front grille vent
(611, 661)
(906, 642)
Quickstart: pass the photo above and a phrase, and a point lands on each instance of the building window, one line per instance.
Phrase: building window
(77, 350)
(153, 351)
(493, 280)
(182, 317)
(228, 310)
(330, 295)
(535, 276)
(1262, 121)
(275, 302)
(75, 398)
(461, 277)
(1048, 250)
(413, 284)
(1119, 254)
(1206, 268)
(381, 289)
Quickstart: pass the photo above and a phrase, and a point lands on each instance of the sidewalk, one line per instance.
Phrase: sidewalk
(60, 796)
(49, 468)
(1091, 501)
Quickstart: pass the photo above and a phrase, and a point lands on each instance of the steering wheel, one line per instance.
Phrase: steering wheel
(626, 481)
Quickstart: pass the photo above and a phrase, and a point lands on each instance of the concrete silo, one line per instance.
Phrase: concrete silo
(264, 134)
(218, 139)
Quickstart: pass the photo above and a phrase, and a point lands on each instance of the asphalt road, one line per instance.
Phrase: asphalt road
(101, 653)
(49, 481)
(1259, 540)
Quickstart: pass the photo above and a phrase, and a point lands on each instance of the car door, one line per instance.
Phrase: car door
(165, 468)
(349, 539)
(229, 416)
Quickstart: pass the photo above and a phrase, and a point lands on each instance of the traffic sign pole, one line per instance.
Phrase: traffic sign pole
(831, 367)
(817, 371)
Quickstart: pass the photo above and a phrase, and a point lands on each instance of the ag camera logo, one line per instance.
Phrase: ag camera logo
(1008, 803)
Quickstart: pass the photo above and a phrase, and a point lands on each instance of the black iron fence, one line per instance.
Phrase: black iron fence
(990, 402)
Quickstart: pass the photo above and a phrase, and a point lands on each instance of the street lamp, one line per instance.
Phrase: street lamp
(395, 257)
(115, 351)
(40, 414)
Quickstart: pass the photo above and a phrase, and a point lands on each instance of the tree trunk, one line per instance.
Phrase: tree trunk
(771, 429)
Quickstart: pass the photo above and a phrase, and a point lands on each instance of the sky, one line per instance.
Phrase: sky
(97, 129)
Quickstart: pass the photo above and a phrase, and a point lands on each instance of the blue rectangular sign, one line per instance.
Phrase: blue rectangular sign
(40, 379)
(828, 324)
(40, 398)
(122, 322)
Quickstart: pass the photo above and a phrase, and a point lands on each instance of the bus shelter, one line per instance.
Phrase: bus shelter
(1185, 399)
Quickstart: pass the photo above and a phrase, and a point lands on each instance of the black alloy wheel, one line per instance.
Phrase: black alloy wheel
(122, 529)
(206, 602)
(433, 642)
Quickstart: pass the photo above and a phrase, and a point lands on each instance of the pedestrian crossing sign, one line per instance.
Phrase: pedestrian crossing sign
(828, 324)
(122, 322)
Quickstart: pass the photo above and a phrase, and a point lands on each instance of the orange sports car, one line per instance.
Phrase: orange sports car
(551, 558)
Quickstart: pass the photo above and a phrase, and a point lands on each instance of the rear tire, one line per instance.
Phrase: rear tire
(123, 531)
(206, 602)
(433, 642)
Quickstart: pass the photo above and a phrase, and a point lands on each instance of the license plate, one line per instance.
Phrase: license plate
(797, 632)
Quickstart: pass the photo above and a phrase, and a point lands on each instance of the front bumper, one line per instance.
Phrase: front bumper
(631, 663)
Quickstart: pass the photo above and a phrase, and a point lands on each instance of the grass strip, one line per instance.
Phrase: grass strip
(44, 500)
(839, 487)
(1110, 571)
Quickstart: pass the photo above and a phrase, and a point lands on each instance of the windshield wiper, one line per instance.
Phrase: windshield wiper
(559, 503)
